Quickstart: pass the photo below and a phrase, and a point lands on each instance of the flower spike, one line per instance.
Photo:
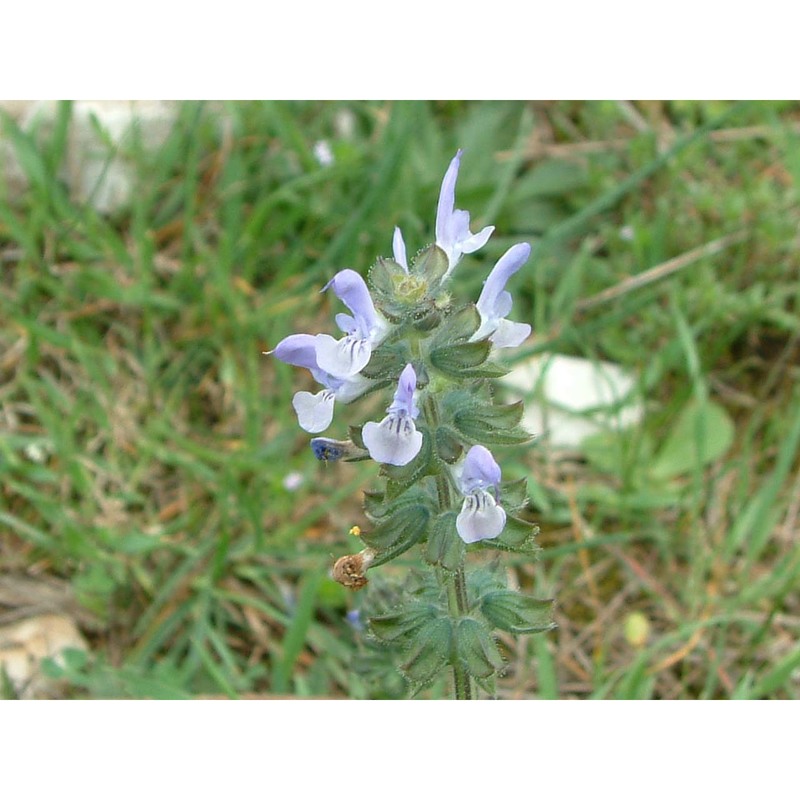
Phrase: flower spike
(407, 333)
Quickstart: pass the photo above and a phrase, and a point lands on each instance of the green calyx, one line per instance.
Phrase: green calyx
(415, 296)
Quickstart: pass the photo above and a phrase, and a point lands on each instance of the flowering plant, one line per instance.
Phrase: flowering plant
(443, 490)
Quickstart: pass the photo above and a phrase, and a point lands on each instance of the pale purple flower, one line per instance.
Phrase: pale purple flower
(315, 411)
(293, 481)
(399, 249)
(452, 225)
(346, 357)
(354, 620)
(323, 153)
(480, 517)
(494, 304)
(396, 440)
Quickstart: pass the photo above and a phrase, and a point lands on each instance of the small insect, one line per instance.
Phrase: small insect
(335, 450)
(326, 449)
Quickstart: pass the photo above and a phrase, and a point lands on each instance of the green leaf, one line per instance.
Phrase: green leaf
(517, 535)
(429, 651)
(374, 506)
(398, 626)
(702, 434)
(401, 478)
(356, 436)
(402, 530)
(445, 546)
(137, 543)
(550, 178)
(459, 326)
(477, 649)
(74, 658)
(460, 355)
(296, 633)
(477, 425)
(496, 416)
(466, 360)
(514, 494)
(409, 521)
(616, 450)
(517, 613)
(379, 507)
(387, 362)
(448, 446)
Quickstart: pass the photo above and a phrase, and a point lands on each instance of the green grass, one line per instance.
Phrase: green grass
(131, 367)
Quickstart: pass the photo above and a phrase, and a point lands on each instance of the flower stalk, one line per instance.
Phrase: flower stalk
(442, 495)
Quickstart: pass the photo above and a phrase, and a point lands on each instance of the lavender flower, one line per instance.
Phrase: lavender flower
(354, 620)
(452, 225)
(399, 249)
(293, 481)
(480, 517)
(494, 304)
(396, 440)
(315, 411)
(346, 357)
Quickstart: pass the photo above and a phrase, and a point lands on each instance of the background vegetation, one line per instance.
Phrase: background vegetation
(146, 442)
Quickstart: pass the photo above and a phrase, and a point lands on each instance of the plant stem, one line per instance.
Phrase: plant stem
(454, 584)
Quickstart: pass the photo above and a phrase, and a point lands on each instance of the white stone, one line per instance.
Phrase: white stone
(24, 644)
(568, 399)
(96, 169)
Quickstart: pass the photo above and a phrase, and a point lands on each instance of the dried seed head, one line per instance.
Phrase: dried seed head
(351, 570)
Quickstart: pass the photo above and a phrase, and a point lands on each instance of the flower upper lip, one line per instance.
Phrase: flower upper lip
(351, 289)
(479, 471)
(452, 224)
(399, 249)
(494, 303)
(363, 330)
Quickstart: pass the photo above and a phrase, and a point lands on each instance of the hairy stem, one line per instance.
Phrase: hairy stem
(454, 584)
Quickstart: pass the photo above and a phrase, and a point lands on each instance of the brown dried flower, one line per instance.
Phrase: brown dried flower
(350, 570)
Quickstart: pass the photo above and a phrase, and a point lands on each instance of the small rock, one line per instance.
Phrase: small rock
(24, 644)
(569, 399)
(96, 169)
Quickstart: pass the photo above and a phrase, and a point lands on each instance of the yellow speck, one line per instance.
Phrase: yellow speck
(355, 531)
(637, 629)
